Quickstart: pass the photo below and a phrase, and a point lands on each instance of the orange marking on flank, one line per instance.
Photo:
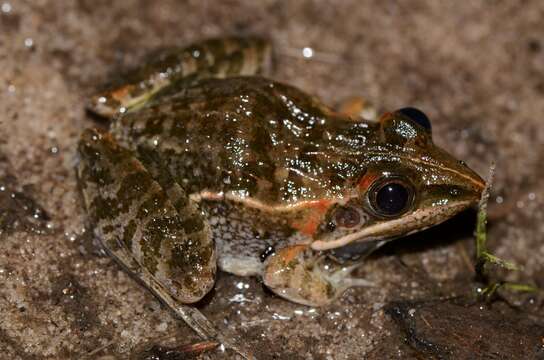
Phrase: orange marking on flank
(290, 252)
(312, 218)
(310, 227)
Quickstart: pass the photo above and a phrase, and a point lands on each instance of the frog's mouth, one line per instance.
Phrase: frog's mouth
(410, 223)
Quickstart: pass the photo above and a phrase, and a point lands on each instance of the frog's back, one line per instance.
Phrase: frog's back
(251, 137)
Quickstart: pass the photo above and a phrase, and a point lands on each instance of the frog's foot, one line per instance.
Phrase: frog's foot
(212, 58)
(357, 107)
(298, 274)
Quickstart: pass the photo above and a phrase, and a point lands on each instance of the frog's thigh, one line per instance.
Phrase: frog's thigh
(298, 274)
(169, 250)
(357, 107)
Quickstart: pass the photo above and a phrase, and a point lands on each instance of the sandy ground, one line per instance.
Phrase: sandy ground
(475, 67)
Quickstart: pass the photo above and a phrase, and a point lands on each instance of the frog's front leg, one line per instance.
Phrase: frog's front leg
(299, 274)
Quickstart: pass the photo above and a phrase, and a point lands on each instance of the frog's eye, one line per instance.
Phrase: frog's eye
(347, 217)
(391, 197)
(417, 116)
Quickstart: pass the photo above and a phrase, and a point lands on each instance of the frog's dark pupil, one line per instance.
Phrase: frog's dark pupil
(391, 199)
(417, 116)
(347, 217)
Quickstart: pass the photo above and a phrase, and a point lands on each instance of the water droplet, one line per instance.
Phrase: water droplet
(241, 285)
(29, 42)
(307, 52)
(6, 7)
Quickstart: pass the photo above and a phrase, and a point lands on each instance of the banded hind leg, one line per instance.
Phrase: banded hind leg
(220, 58)
(167, 248)
(136, 220)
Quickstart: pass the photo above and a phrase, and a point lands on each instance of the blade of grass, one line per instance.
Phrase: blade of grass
(481, 224)
(483, 256)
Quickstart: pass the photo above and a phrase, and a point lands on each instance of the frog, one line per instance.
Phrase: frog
(209, 164)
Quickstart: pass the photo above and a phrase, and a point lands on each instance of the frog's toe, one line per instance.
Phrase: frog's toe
(349, 282)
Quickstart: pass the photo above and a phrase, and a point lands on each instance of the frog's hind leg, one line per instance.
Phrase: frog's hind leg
(212, 58)
(170, 252)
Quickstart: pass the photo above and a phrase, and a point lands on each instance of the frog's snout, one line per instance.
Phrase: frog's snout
(456, 176)
(470, 180)
(464, 185)
(479, 184)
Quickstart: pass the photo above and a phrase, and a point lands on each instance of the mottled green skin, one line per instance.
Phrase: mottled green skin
(253, 136)
(202, 164)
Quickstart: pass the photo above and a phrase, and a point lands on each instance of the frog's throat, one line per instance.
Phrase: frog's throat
(415, 221)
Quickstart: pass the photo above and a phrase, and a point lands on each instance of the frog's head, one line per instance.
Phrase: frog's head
(409, 184)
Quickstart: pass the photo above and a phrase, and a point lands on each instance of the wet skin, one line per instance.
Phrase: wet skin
(208, 164)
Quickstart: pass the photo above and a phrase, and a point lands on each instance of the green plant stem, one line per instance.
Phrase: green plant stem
(483, 256)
